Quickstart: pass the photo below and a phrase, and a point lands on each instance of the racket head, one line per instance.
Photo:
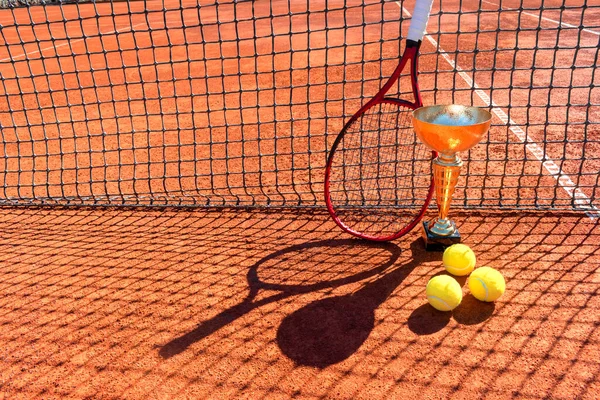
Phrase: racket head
(378, 180)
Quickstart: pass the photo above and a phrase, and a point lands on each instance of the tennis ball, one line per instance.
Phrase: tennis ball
(487, 284)
(444, 293)
(459, 259)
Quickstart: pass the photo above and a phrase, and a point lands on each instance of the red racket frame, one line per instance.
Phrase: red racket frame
(410, 54)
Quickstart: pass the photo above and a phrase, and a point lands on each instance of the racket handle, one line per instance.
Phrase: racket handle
(418, 22)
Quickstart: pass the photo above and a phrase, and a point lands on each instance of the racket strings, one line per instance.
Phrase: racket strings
(384, 169)
(381, 173)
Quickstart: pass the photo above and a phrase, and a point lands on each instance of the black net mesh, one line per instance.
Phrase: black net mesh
(236, 103)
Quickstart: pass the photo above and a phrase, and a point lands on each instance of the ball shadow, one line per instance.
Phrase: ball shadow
(462, 280)
(426, 320)
(472, 311)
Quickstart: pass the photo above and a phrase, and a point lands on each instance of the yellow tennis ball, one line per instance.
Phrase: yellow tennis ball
(444, 293)
(459, 259)
(487, 284)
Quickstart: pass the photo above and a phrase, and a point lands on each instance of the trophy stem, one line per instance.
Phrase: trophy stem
(441, 230)
(446, 170)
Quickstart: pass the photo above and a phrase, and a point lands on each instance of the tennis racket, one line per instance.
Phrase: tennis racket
(378, 180)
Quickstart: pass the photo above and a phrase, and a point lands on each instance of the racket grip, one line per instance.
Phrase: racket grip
(418, 22)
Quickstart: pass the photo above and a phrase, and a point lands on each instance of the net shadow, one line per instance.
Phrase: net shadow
(89, 296)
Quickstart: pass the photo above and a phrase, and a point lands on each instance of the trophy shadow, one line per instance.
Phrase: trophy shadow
(330, 330)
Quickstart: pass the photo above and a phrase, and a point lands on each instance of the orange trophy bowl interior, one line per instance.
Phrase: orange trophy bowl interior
(450, 129)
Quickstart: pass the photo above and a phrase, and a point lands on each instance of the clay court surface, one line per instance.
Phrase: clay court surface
(127, 304)
(144, 303)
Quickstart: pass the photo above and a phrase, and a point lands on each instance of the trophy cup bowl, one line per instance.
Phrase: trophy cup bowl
(447, 129)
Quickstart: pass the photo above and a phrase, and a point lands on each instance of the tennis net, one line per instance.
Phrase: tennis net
(236, 103)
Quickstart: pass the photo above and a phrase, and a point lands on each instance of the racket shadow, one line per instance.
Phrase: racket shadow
(330, 330)
(284, 290)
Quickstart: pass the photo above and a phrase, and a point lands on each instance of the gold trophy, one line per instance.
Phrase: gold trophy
(447, 129)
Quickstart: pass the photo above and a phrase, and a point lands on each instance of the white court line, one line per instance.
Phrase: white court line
(553, 169)
(68, 42)
(544, 18)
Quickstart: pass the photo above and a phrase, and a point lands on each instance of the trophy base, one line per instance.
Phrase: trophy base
(435, 242)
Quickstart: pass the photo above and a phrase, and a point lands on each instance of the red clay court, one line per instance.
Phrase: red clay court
(159, 158)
